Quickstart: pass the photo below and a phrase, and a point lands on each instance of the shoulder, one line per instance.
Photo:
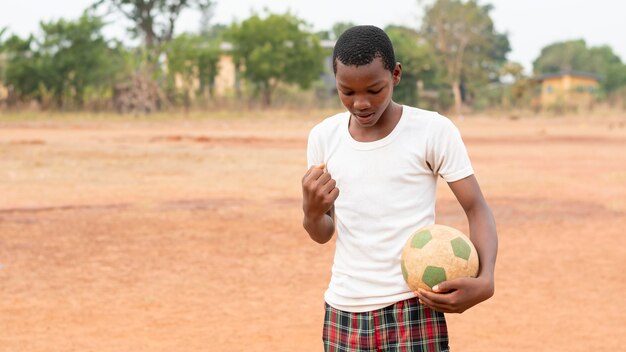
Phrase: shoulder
(427, 124)
(329, 125)
(426, 119)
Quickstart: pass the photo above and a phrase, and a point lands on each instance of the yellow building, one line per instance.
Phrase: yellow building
(228, 81)
(226, 78)
(568, 90)
(224, 84)
(4, 92)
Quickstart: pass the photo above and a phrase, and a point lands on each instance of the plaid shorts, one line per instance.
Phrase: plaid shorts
(404, 326)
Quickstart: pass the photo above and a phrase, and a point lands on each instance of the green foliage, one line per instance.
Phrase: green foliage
(418, 63)
(191, 57)
(338, 28)
(2, 56)
(466, 42)
(59, 67)
(22, 72)
(574, 55)
(562, 56)
(520, 90)
(334, 32)
(153, 20)
(274, 49)
(75, 56)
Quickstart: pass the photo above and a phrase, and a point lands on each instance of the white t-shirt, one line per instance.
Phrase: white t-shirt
(387, 191)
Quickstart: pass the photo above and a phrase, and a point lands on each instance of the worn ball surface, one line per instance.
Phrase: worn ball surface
(437, 253)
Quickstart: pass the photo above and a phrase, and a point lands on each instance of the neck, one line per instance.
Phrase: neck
(386, 123)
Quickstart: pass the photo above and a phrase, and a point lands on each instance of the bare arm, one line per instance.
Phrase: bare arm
(318, 197)
(481, 223)
(320, 230)
(456, 296)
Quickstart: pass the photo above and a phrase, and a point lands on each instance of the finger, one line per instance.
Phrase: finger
(321, 166)
(435, 298)
(329, 186)
(313, 173)
(330, 190)
(308, 172)
(421, 295)
(324, 178)
(442, 307)
(334, 194)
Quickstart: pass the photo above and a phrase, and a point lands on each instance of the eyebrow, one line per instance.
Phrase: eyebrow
(369, 87)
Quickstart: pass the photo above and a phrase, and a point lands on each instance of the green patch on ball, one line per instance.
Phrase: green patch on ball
(433, 275)
(461, 248)
(420, 239)
(405, 273)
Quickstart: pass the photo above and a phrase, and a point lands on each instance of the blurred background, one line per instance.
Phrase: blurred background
(460, 57)
(151, 156)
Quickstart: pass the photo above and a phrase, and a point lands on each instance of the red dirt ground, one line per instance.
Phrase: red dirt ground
(186, 236)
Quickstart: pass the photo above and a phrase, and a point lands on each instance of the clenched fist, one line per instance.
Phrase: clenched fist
(319, 193)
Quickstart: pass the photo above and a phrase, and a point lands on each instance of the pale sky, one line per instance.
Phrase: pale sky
(531, 24)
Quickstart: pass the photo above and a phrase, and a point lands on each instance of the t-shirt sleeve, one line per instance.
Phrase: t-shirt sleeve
(447, 154)
(313, 149)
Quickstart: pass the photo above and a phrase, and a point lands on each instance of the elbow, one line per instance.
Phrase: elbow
(318, 235)
(322, 240)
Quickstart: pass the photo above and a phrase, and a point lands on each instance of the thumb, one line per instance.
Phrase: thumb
(450, 285)
(445, 286)
(440, 287)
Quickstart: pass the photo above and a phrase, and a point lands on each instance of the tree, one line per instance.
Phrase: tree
(192, 59)
(76, 56)
(206, 14)
(612, 70)
(466, 42)
(2, 57)
(276, 49)
(22, 72)
(339, 28)
(59, 68)
(561, 56)
(574, 55)
(335, 31)
(418, 63)
(520, 88)
(154, 20)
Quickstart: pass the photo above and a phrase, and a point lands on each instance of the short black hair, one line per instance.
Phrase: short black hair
(359, 45)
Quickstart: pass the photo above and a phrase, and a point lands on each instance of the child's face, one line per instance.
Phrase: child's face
(366, 90)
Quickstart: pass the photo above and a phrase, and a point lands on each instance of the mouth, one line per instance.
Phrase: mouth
(363, 116)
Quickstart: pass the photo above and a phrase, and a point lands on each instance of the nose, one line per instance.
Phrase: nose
(361, 103)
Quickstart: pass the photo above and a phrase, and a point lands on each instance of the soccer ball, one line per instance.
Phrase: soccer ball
(437, 253)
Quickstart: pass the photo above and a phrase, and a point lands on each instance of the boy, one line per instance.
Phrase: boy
(372, 177)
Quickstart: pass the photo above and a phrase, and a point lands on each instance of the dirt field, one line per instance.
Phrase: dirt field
(185, 235)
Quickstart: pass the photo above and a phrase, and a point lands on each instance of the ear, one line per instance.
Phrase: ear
(397, 73)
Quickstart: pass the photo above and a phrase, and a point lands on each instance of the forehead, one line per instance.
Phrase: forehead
(352, 75)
